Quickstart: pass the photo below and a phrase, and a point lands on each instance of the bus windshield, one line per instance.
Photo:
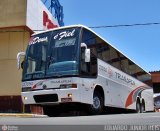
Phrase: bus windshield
(63, 53)
(52, 54)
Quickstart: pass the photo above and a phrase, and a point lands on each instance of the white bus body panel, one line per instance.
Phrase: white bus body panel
(83, 93)
(149, 101)
(120, 89)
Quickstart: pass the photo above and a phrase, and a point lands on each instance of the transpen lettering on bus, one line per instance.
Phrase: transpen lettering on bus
(124, 78)
(61, 81)
(117, 75)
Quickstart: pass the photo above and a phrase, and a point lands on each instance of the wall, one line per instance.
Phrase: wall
(155, 76)
(12, 13)
(18, 19)
(11, 42)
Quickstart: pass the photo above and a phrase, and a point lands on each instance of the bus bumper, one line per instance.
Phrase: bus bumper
(54, 96)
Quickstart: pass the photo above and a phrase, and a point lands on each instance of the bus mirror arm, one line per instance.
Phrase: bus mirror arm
(18, 59)
(83, 45)
(87, 52)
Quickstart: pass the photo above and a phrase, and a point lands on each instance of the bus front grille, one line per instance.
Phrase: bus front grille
(46, 98)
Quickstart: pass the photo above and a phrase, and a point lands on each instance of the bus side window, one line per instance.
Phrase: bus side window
(93, 64)
(89, 68)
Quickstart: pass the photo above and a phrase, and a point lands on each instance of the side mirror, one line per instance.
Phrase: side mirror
(83, 45)
(18, 59)
(87, 55)
(87, 52)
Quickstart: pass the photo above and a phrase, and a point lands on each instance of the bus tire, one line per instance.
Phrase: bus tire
(51, 111)
(98, 104)
(142, 107)
(138, 107)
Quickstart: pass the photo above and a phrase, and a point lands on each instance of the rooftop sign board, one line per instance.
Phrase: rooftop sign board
(30, 13)
(38, 16)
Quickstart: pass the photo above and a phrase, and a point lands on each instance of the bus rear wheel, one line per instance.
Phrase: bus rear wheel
(138, 107)
(142, 107)
(98, 104)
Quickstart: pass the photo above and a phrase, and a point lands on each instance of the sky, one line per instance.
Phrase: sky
(140, 43)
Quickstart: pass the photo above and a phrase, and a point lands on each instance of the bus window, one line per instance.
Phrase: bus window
(115, 58)
(103, 50)
(132, 69)
(89, 68)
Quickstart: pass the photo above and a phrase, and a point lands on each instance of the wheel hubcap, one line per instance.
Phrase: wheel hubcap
(96, 102)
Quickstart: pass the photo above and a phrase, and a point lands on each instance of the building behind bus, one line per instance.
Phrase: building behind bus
(19, 19)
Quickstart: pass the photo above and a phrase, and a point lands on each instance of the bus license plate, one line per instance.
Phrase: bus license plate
(66, 99)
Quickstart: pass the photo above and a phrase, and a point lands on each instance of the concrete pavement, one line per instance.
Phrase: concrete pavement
(28, 115)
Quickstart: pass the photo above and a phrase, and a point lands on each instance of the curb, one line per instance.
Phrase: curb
(20, 115)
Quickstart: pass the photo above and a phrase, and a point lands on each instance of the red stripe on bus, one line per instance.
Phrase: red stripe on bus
(130, 100)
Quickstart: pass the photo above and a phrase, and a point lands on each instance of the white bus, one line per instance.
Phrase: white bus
(73, 65)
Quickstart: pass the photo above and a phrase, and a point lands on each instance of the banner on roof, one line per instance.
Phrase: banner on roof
(39, 17)
(30, 13)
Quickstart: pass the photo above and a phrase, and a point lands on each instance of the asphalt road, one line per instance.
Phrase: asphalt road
(146, 121)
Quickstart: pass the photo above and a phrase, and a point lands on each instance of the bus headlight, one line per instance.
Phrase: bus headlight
(70, 95)
(66, 86)
(25, 98)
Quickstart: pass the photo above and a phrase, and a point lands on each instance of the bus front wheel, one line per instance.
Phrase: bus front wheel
(98, 104)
